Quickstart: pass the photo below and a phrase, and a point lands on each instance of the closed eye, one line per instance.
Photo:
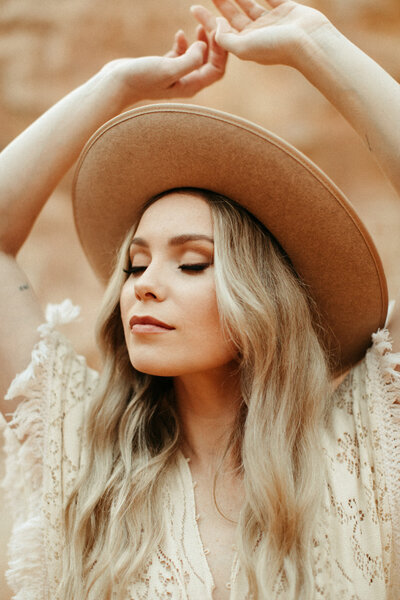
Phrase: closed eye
(196, 267)
(134, 270)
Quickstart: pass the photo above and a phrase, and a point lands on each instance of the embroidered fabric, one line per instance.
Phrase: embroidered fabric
(357, 544)
(42, 444)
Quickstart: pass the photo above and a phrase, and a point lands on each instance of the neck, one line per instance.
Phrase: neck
(208, 405)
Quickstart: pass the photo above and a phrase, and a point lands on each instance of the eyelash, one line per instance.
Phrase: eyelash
(194, 268)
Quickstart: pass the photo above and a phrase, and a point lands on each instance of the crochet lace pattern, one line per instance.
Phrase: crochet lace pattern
(357, 544)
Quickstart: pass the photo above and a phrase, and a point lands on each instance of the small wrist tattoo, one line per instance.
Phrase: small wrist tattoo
(23, 286)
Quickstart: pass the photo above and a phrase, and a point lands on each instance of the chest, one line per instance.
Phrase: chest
(217, 510)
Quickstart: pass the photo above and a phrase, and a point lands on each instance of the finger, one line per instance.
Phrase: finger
(218, 56)
(252, 9)
(205, 75)
(204, 17)
(180, 45)
(194, 82)
(232, 14)
(201, 35)
(182, 65)
(226, 37)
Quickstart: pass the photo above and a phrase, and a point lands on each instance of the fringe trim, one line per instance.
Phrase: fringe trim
(24, 444)
(386, 374)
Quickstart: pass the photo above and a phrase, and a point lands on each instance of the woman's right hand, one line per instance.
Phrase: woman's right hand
(38, 158)
(268, 36)
(181, 73)
(63, 130)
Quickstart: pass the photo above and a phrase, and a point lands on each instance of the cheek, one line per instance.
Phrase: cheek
(124, 296)
(122, 304)
(125, 303)
(198, 344)
(203, 331)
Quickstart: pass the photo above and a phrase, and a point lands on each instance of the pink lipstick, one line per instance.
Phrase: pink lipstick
(147, 324)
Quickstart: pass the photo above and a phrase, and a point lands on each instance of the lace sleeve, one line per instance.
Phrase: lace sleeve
(43, 444)
(383, 390)
(360, 529)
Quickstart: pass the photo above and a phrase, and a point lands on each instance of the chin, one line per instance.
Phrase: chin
(156, 370)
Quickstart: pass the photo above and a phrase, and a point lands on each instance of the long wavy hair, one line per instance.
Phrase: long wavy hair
(114, 516)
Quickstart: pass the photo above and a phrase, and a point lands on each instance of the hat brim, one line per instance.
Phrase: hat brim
(148, 150)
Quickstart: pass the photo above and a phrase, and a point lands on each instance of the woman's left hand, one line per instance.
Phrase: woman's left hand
(269, 34)
(287, 32)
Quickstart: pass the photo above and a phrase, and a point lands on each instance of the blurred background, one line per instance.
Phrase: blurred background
(51, 46)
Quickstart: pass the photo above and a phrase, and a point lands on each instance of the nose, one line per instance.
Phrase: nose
(148, 286)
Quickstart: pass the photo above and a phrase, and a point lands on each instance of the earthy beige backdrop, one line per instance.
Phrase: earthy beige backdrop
(48, 47)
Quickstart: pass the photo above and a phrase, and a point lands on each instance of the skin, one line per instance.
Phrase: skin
(61, 134)
(183, 299)
(196, 353)
(288, 33)
(275, 32)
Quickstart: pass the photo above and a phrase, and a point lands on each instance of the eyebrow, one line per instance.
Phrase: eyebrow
(177, 240)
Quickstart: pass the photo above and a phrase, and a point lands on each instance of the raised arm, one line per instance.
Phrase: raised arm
(285, 32)
(32, 165)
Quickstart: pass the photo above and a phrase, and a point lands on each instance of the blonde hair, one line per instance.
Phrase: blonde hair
(114, 516)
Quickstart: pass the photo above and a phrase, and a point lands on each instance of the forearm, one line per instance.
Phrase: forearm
(32, 165)
(301, 37)
(366, 95)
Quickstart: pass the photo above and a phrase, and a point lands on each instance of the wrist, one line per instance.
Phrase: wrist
(314, 45)
(327, 59)
(112, 84)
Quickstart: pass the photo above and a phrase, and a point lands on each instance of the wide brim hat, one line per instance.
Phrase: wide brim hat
(154, 148)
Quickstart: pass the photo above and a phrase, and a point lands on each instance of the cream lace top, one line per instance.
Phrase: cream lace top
(356, 551)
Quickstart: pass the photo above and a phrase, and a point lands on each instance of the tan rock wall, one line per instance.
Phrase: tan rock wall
(48, 47)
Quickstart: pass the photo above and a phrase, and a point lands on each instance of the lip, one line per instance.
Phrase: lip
(147, 324)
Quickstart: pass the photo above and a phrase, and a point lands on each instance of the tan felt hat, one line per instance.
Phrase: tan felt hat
(155, 148)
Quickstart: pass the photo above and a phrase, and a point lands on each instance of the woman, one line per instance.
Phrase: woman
(221, 356)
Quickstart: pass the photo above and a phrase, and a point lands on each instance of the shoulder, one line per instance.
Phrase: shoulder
(53, 359)
(363, 457)
(366, 405)
(375, 380)
(394, 323)
(54, 390)
(43, 448)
